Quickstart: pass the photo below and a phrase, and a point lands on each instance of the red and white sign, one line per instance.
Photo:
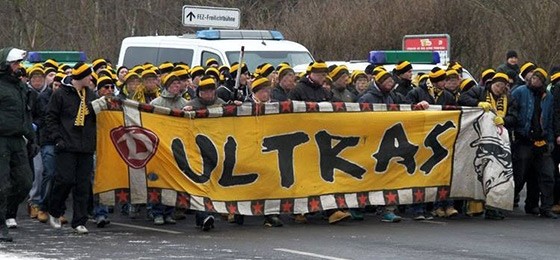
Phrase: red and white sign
(136, 145)
(429, 42)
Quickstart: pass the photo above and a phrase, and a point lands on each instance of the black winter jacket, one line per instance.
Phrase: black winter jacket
(374, 95)
(478, 94)
(309, 91)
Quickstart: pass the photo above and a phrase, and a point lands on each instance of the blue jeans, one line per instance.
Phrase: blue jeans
(35, 192)
(443, 204)
(49, 164)
(160, 210)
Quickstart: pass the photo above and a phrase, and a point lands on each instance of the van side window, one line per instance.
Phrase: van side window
(207, 55)
(140, 55)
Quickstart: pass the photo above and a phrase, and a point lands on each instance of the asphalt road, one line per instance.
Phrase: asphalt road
(519, 236)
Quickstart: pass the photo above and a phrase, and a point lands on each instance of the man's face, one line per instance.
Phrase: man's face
(407, 75)
(14, 66)
(68, 72)
(341, 82)
(106, 91)
(361, 84)
(263, 95)
(55, 85)
(499, 88)
(244, 78)
(288, 81)
(122, 73)
(37, 81)
(536, 81)
(528, 76)
(174, 88)
(452, 83)
(132, 85)
(183, 85)
(50, 77)
(318, 78)
(150, 83)
(512, 60)
(207, 94)
(387, 85)
(440, 84)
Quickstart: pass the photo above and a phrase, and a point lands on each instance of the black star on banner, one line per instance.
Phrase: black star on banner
(314, 204)
(287, 205)
(183, 200)
(232, 207)
(363, 199)
(286, 107)
(122, 196)
(338, 106)
(257, 207)
(154, 196)
(208, 205)
(391, 197)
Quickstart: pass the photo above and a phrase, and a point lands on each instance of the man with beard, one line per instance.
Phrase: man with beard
(534, 142)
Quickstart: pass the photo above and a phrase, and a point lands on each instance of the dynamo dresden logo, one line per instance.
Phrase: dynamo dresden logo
(136, 145)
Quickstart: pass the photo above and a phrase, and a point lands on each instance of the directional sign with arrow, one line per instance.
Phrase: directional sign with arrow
(215, 17)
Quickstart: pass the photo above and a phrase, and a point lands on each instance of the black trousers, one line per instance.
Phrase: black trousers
(73, 173)
(537, 170)
(16, 176)
(556, 158)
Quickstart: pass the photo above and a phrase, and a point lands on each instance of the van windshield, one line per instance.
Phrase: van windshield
(255, 58)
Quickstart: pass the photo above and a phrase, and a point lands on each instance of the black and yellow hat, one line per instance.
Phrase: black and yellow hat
(500, 77)
(466, 84)
(437, 74)
(51, 63)
(212, 61)
(328, 79)
(59, 76)
(104, 80)
(131, 75)
(182, 73)
(455, 66)
(403, 67)
(64, 67)
(266, 69)
(80, 71)
(260, 83)
(35, 70)
(451, 73)
(149, 73)
(49, 70)
(283, 71)
(541, 73)
(381, 76)
(235, 67)
(555, 78)
(207, 82)
(488, 74)
(168, 79)
(183, 66)
(358, 74)
(335, 72)
(213, 72)
(98, 63)
(319, 66)
(137, 69)
(166, 67)
(105, 72)
(526, 68)
(197, 71)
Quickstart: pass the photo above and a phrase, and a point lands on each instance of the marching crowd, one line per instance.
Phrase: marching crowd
(48, 127)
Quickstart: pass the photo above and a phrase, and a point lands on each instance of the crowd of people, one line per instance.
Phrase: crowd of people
(48, 127)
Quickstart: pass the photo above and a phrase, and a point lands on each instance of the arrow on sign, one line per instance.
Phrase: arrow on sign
(190, 16)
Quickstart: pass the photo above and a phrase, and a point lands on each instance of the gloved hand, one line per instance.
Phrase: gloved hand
(485, 105)
(60, 146)
(32, 149)
(498, 120)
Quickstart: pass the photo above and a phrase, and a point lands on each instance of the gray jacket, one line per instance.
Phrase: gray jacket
(168, 100)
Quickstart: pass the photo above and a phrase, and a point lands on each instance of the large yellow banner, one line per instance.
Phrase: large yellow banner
(404, 156)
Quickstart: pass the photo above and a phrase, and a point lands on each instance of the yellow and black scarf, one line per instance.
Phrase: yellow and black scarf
(499, 105)
(83, 110)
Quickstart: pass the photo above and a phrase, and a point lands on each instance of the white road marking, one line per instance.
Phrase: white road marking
(309, 254)
(146, 228)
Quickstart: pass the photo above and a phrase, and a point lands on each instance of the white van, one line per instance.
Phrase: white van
(223, 45)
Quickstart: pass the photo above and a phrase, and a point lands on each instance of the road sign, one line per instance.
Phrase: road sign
(429, 42)
(213, 17)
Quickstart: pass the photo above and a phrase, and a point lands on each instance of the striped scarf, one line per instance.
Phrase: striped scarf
(83, 110)
(500, 105)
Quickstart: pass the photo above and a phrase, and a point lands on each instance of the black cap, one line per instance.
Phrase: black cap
(511, 54)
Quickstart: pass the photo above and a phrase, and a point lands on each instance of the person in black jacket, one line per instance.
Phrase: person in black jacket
(403, 77)
(381, 91)
(555, 82)
(286, 82)
(71, 123)
(227, 92)
(310, 88)
(15, 124)
(442, 96)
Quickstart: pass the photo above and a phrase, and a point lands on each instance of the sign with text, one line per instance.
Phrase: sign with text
(212, 17)
(429, 42)
(299, 157)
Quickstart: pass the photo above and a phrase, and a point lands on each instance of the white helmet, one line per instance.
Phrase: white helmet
(16, 55)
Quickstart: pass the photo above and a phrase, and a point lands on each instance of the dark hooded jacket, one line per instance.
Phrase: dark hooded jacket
(307, 90)
(374, 95)
(16, 103)
(61, 116)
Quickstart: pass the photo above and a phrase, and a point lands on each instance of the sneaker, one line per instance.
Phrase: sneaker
(55, 222)
(300, 219)
(81, 229)
(158, 220)
(338, 216)
(451, 212)
(419, 216)
(208, 223)
(102, 221)
(272, 221)
(170, 220)
(63, 220)
(440, 213)
(43, 216)
(555, 209)
(391, 217)
(33, 211)
(11, 223)
(548, 214)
